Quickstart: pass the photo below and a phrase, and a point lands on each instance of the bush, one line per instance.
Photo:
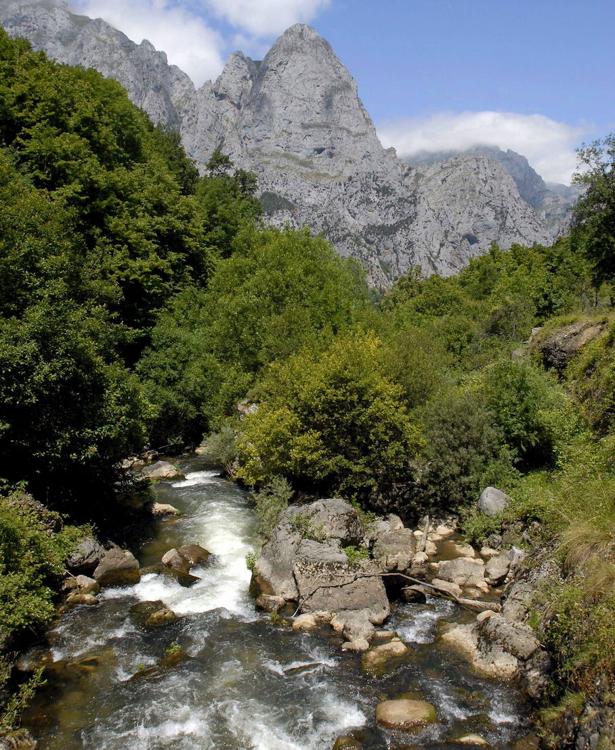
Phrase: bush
(33, 547)
(535, 415)
(333, 423)
(269, 502)
(464, 451)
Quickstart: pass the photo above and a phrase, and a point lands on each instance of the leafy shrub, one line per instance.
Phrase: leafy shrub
(222, 449)
(331, 422)
(464, 451)
(355, 555)
(535, 415)
(270, 501)
(32, 555)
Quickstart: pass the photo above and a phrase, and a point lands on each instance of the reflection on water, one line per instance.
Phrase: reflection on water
(245, 682)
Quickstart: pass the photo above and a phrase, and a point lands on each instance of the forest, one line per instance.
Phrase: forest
(145, 306)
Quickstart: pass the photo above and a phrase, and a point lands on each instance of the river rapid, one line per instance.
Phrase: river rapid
(246, 681)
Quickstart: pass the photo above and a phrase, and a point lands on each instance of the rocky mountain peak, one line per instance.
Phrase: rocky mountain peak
(296, 119)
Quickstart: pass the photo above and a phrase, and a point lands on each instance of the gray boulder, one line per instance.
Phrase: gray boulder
(86, 556)
(160, 471)
(497, 569)
(118, 567)
(492, 501)
(333, 520)
(514, 637)
(464, 571)
(394, 550)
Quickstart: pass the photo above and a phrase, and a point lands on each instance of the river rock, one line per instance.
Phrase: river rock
(517, 639)
(311, 620)
(347, 743)
(152, 614)
(558, 349)
(80, 585)
(86, 556)
(463, 571)
(394, 550)
(475, 740)
(492, 501)
(161, 510)
(491, 662)
(497, 569)
(160, 471)
(377, 658)
(76, 599)
(405, 714)
(174, 560)
(118, 567)
(194, 554)
(269, 603)
(414, 594)
(447, 587)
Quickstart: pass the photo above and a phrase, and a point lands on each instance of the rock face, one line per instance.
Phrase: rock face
(296, 120)
(118, 567)
(304, 562)
(86, 556)
(558, 350)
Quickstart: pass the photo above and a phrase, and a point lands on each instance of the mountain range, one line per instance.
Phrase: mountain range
(295, 119)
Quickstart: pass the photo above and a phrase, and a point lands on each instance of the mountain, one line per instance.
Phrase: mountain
(553, 202)
(296, 120)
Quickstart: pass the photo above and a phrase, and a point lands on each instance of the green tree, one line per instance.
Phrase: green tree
(332, 422)
(595, 211)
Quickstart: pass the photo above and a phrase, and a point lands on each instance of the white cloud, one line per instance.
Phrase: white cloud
(187, 39)
(548, 145)
(265, 17)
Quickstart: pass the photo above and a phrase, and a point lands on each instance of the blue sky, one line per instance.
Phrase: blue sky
(536, 76)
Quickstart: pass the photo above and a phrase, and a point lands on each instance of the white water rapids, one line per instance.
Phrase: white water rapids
(246, 683)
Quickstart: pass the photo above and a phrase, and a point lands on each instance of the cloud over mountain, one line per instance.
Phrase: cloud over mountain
(549, 145)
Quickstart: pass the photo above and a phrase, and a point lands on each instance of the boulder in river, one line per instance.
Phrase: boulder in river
(497, 569)
(464, 571)
(160, 471)
(492, 501)
(152, 614)
(405, 714)
(163, 510)
(378, 657)
(80, 585)
(77, 599)
(118, 567)
(473, 740)
(86, 556)
(394, 549)
(185, 557)
(347, 743)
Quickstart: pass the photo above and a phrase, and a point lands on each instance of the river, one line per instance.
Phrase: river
(246, 681)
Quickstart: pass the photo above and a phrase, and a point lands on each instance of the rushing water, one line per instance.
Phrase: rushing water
(245, 682)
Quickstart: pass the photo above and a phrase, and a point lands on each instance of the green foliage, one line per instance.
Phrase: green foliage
(33, 547)
(17, 703)
(270, 501)
(534, 413)
(464, 450)
(68, 410)
(591, 377)
(278, 292)
(595, 211)
(251, 561)
(304, 525)
(222, 449)
(333, 422)
(355, 555)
